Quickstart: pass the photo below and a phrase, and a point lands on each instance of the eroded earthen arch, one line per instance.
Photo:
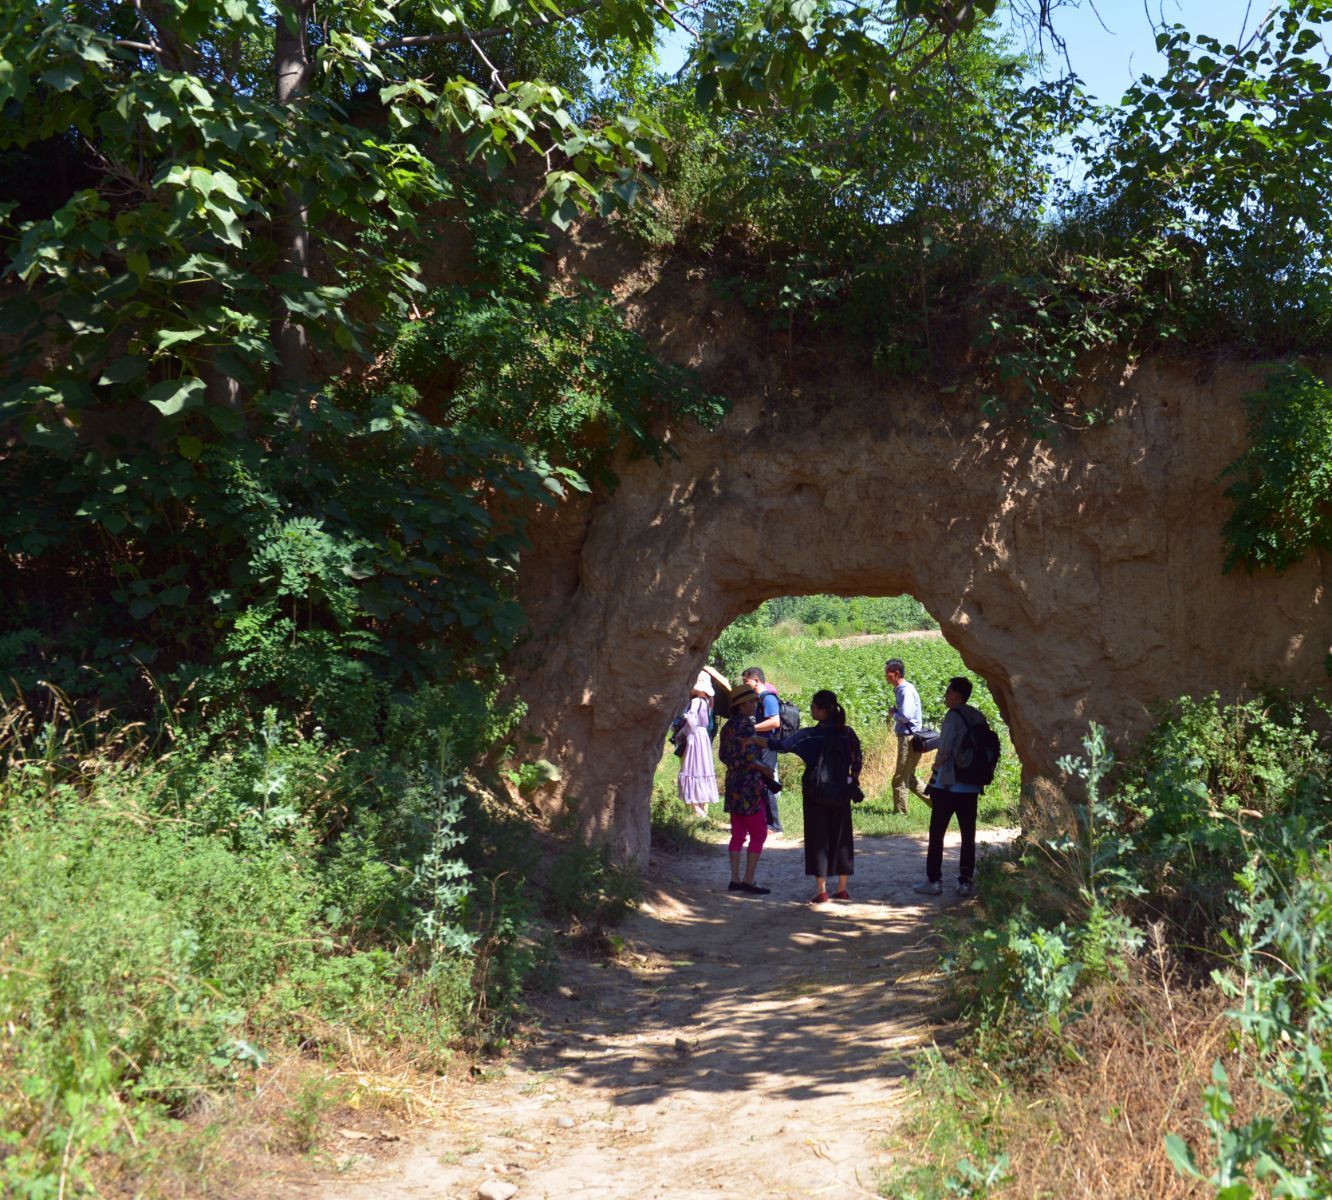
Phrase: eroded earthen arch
(1081, 577)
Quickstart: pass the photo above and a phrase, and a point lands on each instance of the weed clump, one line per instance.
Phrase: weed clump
(1152, 985)
(180, 910)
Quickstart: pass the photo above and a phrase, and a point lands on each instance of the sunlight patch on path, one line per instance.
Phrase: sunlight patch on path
(739, 1046)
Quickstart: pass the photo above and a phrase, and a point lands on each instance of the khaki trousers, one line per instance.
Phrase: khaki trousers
(904, 772)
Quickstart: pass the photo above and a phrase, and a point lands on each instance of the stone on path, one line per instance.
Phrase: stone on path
(495, 1189)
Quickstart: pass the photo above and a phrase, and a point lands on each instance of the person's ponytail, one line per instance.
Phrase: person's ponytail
(827, 701)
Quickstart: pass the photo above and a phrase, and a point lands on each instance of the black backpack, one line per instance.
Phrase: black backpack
(977, 753)
(789, 716)
(830, 776)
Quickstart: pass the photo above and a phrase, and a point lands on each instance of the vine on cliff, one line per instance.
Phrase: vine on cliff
(1282, 485)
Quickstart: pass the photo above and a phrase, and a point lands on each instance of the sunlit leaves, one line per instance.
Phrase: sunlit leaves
(1282, 489)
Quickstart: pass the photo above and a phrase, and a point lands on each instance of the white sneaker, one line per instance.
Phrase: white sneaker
(931, 887)
(965, 887)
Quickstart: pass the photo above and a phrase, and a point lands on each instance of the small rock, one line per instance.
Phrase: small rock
(681, 1046)
(567, 992)
(496, 1189)
(565, 1122)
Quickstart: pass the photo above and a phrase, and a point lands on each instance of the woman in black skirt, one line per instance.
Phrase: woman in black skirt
(829, 849)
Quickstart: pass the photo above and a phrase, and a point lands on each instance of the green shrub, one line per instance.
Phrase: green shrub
(586, 885)
(1197, 798)
(1282, 486)
(1217, 831)
(169, 920)
(1281, 979)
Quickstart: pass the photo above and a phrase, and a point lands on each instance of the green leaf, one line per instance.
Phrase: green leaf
(63, 77)
(190, 447)
(172, 337)
(1181, 1157)
(19, 314)
(125, 369)
(173, 396)
(825, 96)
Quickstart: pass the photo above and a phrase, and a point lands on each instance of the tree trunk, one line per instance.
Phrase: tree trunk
(291, 61)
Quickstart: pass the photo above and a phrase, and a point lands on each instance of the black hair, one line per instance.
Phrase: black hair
(896, 664)
(962, 686)
(827, 701)
(754, 673)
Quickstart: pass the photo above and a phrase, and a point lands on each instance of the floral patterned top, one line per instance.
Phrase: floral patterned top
(746, 789)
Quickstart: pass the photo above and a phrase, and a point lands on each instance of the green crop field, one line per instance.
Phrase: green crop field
(798, 667)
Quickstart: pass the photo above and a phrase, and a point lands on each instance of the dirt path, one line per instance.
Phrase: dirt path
(864, 639)
(741, 1046)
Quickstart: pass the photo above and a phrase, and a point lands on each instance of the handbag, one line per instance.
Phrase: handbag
(925, 740)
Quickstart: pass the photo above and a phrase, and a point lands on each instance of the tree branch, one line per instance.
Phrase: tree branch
(462, 36)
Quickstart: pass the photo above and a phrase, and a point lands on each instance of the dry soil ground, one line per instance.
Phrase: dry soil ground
(748, 1047)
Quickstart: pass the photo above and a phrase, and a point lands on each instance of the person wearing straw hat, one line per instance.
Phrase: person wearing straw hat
(698, 775)
(746, 790)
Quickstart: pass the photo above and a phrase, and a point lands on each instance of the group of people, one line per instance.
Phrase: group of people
(753, 737)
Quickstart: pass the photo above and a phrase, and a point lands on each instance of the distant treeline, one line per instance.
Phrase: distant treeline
(827, 615)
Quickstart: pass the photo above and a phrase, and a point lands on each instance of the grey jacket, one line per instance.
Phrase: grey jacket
(950, 737)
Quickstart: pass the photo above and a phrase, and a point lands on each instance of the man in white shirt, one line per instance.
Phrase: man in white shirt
(907, 721)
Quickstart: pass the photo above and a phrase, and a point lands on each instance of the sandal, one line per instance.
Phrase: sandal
(842, 895)
(821, 898)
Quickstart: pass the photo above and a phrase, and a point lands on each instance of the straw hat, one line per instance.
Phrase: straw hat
(704, 684)
(741, 694)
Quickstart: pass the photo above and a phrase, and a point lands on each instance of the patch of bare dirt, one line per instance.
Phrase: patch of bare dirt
(745, 1046)
(864, 639)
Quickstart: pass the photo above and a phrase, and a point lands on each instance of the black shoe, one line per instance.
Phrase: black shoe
(754, 890)
(735, 886)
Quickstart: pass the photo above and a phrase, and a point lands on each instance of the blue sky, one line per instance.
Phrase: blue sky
(1110, 51)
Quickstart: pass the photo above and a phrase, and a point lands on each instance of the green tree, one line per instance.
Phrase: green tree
(213, 468)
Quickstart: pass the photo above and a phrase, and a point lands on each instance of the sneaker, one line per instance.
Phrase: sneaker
(735, 886)
(842, 895)
(754, 890)
(931, 887)
(965, 887)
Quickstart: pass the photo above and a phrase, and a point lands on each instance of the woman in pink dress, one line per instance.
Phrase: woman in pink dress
(698, 775)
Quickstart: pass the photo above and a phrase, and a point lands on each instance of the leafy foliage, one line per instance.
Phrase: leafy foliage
(1282, 985)
(870, 211)
(1218, 796)
(1283, 481)
(836, 616)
